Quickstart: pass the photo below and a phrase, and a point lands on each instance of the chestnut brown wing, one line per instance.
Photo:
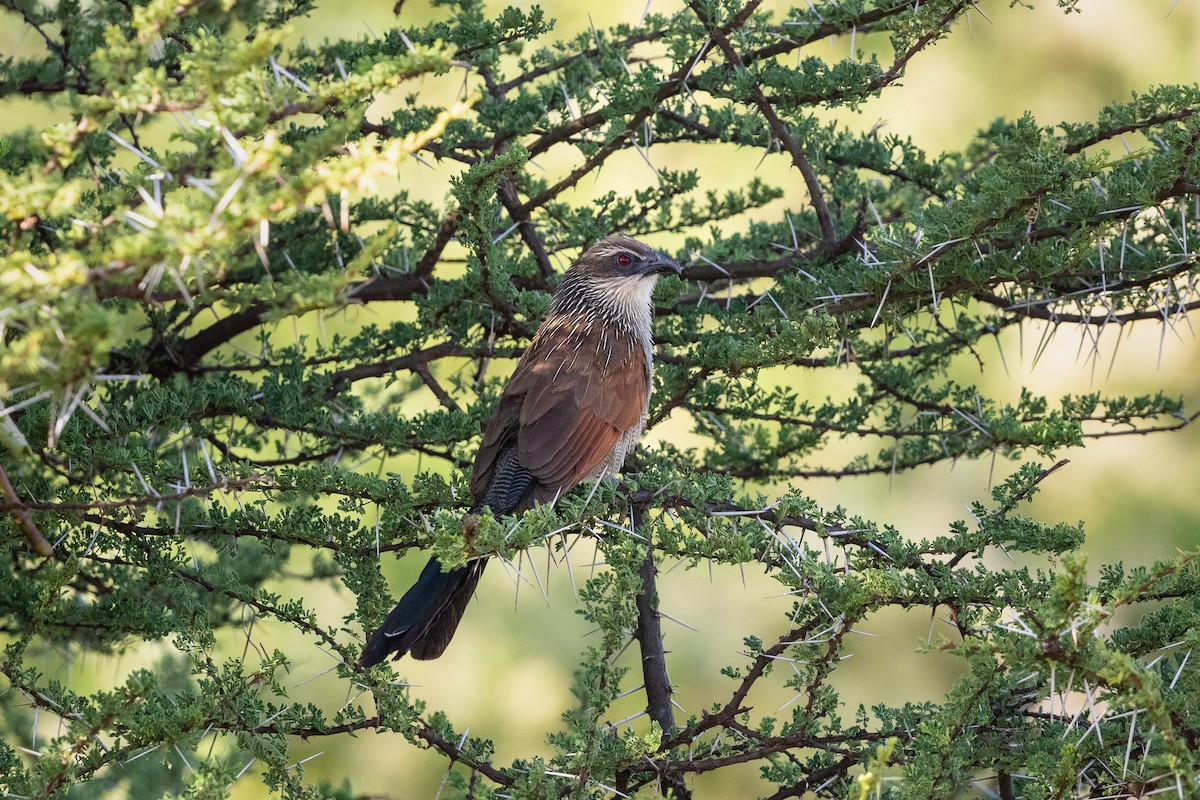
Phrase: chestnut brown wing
(565, 408)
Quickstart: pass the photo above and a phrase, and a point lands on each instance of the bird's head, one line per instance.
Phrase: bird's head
(621, 257)
(617, 274)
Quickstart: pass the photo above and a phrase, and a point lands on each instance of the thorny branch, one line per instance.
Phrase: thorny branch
(20, 513)
(816, 194)
(654, 663)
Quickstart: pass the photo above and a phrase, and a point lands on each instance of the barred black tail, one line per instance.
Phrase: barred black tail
(424, 621)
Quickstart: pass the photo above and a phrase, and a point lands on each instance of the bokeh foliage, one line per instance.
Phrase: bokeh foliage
(186, 448)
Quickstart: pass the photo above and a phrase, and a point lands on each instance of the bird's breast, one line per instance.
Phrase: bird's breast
(636, 359)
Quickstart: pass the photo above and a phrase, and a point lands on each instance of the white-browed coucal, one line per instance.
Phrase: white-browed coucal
(572, 410)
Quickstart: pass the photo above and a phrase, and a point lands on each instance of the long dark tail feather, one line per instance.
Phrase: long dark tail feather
(424, 621)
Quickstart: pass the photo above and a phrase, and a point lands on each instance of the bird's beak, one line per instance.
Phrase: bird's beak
(662, 264)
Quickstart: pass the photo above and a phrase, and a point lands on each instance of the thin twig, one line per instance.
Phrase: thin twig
(20, 513)
(781, 131)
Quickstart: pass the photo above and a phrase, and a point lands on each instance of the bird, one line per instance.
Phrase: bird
(573, 409)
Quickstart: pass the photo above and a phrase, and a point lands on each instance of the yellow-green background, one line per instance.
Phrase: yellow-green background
(508, 673)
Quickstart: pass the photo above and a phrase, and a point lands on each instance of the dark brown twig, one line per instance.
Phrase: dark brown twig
(20, 513)
(654, 662)
(426, 375)
(525, 226)
(780, 130)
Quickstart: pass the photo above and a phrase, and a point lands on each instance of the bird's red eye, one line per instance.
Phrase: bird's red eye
(624, 259)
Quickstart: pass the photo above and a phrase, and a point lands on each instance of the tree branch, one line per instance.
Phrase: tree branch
(654, 662)
(780, 129)
(20, 513)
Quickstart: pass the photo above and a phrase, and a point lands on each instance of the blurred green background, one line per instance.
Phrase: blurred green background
(508, 674)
